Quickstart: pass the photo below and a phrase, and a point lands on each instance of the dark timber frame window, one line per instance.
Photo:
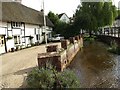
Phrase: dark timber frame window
(35, 31)
(16, 24)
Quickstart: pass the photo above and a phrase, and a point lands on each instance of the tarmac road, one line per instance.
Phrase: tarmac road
(15, 66)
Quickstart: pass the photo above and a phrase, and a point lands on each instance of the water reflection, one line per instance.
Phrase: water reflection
(96, 67)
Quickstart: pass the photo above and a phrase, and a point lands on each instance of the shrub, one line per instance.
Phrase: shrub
(50, 78)
(9, 37)
(68, 79)
(40, 78)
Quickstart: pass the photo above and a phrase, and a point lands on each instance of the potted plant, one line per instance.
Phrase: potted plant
(31, 37)
(9, 37)
(12, 49)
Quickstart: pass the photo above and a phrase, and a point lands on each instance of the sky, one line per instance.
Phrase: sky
(56, 6)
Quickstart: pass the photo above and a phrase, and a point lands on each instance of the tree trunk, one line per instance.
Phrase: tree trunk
(90, 33)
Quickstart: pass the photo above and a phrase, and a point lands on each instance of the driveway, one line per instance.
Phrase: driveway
(15, 66)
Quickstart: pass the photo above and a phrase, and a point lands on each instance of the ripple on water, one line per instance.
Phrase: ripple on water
(96, 67)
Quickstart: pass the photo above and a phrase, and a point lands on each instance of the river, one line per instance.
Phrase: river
(96, 67)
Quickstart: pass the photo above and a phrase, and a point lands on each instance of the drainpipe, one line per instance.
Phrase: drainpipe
(24, 35)
(5, 44)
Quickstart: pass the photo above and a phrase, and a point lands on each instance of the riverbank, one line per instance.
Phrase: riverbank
(113, 42)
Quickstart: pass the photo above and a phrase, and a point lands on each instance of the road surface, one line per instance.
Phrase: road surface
(15, 66)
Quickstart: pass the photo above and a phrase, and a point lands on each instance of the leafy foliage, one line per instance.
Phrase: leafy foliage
(92, 15)
(42, 78)
(59, 26)
(54, 18)
(89, 39)
(68, 79)
(50, 78)
(89, 16)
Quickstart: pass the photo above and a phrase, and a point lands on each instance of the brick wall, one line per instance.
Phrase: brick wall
(61, 59)
(109, 39)
(52, 48)
(52, 58)
(64, 44)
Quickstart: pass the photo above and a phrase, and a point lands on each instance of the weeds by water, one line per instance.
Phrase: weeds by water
(89, 39)
(114, 48)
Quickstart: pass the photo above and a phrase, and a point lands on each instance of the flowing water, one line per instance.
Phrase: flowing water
(96, 67)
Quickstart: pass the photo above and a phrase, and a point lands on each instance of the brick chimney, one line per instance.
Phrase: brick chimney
(42, 10)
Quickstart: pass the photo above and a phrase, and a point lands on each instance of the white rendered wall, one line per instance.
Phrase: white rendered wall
(16, 32)
(3, 29)
(64, 18)
(10, 44)
(29, 29)
(2, 45)
(2, 49)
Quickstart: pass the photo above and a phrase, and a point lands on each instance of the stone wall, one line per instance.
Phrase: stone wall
(109, 39)
(61, 58)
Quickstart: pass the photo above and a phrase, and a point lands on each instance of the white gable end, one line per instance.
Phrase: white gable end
(64, 18)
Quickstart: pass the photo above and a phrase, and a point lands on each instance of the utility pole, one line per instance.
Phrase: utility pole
(44, 23)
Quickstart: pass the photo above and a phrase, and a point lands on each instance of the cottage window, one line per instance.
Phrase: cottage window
(19, 24)
(35, 30)
(19, 39)
(37, 37)
(13, 24)
(16, 24)
(2, 41)
(15, 40)
(22, 24)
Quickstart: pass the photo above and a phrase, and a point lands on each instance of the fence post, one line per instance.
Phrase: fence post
(64, 44)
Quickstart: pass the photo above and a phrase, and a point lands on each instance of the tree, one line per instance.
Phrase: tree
(118, 12)
(115, 12)
(59, 26)
(90, 16)
(54, 18)
(107, 14)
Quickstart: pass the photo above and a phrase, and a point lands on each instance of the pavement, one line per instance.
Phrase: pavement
(14, 66)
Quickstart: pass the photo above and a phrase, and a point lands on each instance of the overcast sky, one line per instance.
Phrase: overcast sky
(56, 6)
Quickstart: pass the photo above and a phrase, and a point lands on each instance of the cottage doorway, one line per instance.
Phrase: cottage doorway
(2, 44)
(16, 40)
